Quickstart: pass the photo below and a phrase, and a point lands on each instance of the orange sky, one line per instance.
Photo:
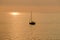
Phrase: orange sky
(28, 5)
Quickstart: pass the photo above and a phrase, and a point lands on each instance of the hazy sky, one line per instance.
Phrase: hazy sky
(31, 2)
(28, 5)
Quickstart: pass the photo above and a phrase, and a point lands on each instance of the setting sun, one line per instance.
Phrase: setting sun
(15, 13)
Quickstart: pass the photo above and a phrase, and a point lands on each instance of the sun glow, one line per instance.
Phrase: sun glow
(14, 13)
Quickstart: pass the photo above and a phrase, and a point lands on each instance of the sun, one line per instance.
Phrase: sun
(14, 13)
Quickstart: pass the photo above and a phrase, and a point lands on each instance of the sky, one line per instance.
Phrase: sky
(28, 5)
(46, 14)
(30, 2)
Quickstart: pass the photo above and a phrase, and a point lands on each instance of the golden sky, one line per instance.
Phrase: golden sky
(28, 5)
